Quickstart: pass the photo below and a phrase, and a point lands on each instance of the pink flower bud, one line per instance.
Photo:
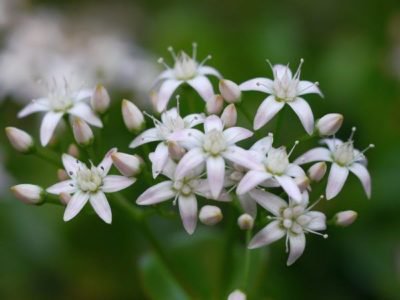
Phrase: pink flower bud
(20, 140)
(64, 198)
(128, 165)
(100, 100)
(73, 150)
(28, 193)
(176, 152)
(214, 105)
(237, 295)
(230, 91)
(82, 133)
(317, 171)
(210, 215)
(345, 218)
(329, 124)
(245, 222)
(302, 182)
(62, 175)
(133, 117)
(229, 116)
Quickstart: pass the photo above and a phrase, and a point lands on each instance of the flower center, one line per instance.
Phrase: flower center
(294, 220)
(60, 102)
(214, 142)
(344, 153)
(185, 186)
(89, 180)
(285, 88)
(277, 161)
(185, 67)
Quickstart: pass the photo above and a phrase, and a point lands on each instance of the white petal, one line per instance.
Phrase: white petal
(193, 120)
(207, 70)
(213, 123)
(290, 187)
(308, 87)
(105, 165)
(82, 94)
(169, 168)
(71, 164)
(35, 106)
(159, 159)
(75, 205)
(266, 111)
(248, 204)
(297, 244)
(203, 189)
(281, 70)
(316, 154)
(304, 112)
(148, 136)
(187, 138)
(215, 175)
(332, 143)
(269, 234)
(66, 186)
(251, 180)
(257, 84)
(203, 86)
(189, 161)
(337, 178)
(167, 74)
(236, 134)
(83, 111)
(115, 183)
(188, 211)
(362, 173)
(242, 157)
(294, 170)
(318, 221)
(263, 145)
(101, 207)
(49, 124)
(167, 88)
(269, 201)
(158, 193)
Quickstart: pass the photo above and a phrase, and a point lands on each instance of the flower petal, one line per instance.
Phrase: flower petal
(281, 70)
(242, 157)
(189, 161)
(36, 105)
(193, 120)
(294, 170)
(71, 164)
(167, 88)
(290, 187)
(207, 70)
(266, 111)
(66, 186)
(49, 124)
(82, 95)
(362, 173)
(257, 84)
(297, 244)
(115, 183)
(215, 175)
(148, 136)
(75, 205)
(269, 234)
(236, 134)
(336, 180)
(308, 87)
(105, 165)
(251, 180)
(332, 143)
(263, 145)
(158, 193)
(187, 138)
(269, 201)
(316, 154)
(203, 86)
(83, 111)
(101, 206)
(318, 221)
(248, 204)
(213, 123)
(304, 112)
(188, 211)
(159, 159)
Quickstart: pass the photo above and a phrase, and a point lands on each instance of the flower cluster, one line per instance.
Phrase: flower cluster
(202, 159)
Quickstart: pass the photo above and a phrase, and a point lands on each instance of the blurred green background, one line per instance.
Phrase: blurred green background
(351, 47)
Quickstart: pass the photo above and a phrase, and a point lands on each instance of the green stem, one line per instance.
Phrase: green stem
(246, 114)
(247, 262)
(279, 125)
(48, 157)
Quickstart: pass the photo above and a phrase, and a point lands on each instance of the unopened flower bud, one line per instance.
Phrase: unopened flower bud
(100, 100)
(210, 215)
(129, 165)
(20, 140)
(73, 150)
(133, 117)
(302, 182)
(229, 116)
(245, 222)
(82, 133)
(345, 218)
(230, 91)
(237, 295)
(28, 193)
(64, 198)
(62, 175)
(317, 171)
(329, 124)
(214, 105)
(154, 99)
(175, 151)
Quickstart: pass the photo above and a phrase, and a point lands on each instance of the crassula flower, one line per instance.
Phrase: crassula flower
(292, 220)
(61, 100)
(285, 88)
(186, 69)
(89, 184)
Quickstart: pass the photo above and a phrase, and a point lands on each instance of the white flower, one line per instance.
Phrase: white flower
(344, 158)
(89, 184)
(213, 147)
(171, 122)
(183, 190)
(237, 295)
(60, 100)
(293, 220)
(272, 163)
(284, 89)
(186, 70)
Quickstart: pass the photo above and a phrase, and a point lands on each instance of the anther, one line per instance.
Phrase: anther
(171, 50)
(294, 146)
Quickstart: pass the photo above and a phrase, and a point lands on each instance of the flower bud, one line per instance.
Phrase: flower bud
(302, 182)
(345, 218)
(329, 124)
(20, 140)
(214, 105)
(62, 175)
(176, 152)
(210, 215)
(64, 198)
(133, 117)
(154, 99)
(237, 295)
(245, 222)
(82, 133)
(28, 193)
(100, 100)
(229, 116)
(230, 91)
(73, 150)
(317, 171)
(129, 165)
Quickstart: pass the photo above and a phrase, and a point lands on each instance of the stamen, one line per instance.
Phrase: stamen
(315, 203)
(325, 236)
(208, 57)
(171, 50)
(294, 146)
(287, 243)
(231, 189)
(194, 51)
(297, 74)
(178, 104)
(361, 154)
(309, 86)
(353, 130)
(175, 199)
(162, 62)
(156, 122)
(261, 84)
(272, 67)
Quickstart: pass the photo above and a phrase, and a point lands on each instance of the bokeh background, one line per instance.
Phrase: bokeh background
(351, 47)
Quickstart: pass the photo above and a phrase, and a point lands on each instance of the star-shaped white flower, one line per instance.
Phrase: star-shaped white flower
(61, 100)
(344, 158)
(284, 89)
(89, 184)
(185, 70)
(171, 122)
(292, 220)
(183, 191)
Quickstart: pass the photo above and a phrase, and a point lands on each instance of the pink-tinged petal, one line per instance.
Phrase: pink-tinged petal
(207, 70)
(269, 201)
(266, 111)
(167, 88)
(243, 158)
(337, 178)
(167, 74)
(294, 170)
(36, 105)
(66, 186)
(159, 159)
(316, 154)
(105, 165)
(75, 205)
(190, 161)
(281, 71)
(308, 87)
(236, 134)
(203, 86)
(83, 111)
(213, 123)
(290, 187)
(71, 164)
(263, 145)
(304, 112)
(248, 204)
(158, 193)
(332, 143)
(215, 175)
(49, 124)
(148, 136)
(101, 206)
(269, 234)
(251, 180)
(82, 94)
(318, 221)
(169, 168)
(115, 183)
(193, 120)
(188, 211)
(187, 138)
(203, 189)
(362, 173)
(258, 84)
(297, 244)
